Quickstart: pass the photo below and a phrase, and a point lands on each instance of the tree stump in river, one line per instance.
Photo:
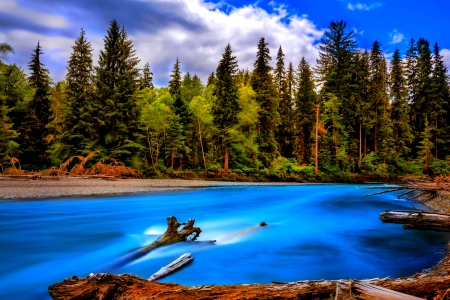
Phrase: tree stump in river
(173, 235)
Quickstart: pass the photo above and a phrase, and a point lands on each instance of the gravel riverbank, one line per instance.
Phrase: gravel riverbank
(66, 187)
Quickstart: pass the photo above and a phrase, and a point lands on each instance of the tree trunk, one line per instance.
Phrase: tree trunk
(316, 170)
(225, 165)
(201, 145)
(359, 290)
(421, 220)
(360, 143)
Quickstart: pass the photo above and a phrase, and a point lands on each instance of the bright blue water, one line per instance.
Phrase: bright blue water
(315, 232)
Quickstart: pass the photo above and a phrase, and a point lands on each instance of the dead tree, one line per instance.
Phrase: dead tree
(171, 236)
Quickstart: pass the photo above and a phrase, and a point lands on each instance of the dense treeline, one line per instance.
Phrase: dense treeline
(374, 117)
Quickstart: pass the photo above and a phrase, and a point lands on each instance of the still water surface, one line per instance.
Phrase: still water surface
(315, 232)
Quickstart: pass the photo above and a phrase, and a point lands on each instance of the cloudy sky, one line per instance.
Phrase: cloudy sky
(197, 31)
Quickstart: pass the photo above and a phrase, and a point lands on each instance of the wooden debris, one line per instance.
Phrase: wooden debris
(361, 290)
(177, 264)
(171, 236)
(414, 219)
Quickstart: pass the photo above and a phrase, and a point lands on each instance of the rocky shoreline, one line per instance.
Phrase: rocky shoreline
(13, 188)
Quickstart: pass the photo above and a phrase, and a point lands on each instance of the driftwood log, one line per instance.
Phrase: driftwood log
(177, 264)
(358, 290)
(171, 236)
(417, 219)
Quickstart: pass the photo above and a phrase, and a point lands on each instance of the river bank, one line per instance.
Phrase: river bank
(13, 188)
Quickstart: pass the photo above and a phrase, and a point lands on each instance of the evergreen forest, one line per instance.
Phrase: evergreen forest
(354, 114)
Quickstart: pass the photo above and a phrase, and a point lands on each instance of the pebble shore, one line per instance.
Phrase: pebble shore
(66, 187)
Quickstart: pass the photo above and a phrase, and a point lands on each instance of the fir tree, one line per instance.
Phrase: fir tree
(266, 97)
(411, 74)
(79, 135)
(33, 131)
(399, 112)
(439, 103)
(211, 79)
(379, 97)
(117, 78)
(284, 130)
(335, 69)
(305, 115)
(425, 147)
(146, 78)
(225, 107)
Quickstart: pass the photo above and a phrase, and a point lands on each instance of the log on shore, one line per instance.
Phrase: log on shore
(420, 220)
(177, 264)
(358, 290)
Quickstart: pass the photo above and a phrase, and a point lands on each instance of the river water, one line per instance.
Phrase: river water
(315, 232)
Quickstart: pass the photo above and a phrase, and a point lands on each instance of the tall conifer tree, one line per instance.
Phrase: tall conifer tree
(33, 131)
(117, 81)
(305, 114)
(439, 104)
(284, 130)
(146, 78)
(225, 107)
(79, 135)
(399, 112)
(266, 96)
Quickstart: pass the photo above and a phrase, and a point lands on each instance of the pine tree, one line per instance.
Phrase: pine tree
(335, 69)
(379, 99)
(305, 115)
(284, 130)
(266, 97)
(79, 135)
(7, 134)
(211, 79)
(117, 82)
(146, 78)
(421, 104)
(439, 103)
(399, 112)
(411, 74)
(225, 107)
(33, 131)
(364, 113)
(425, 147)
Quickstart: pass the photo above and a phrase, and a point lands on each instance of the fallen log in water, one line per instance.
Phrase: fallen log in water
(171, 236)
(417, 219)
(172, 267)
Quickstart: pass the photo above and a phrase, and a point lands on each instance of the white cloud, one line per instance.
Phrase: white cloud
(195, 31)
(396, 37)
(242, 27)
(446, 54)
(11, 7)
(363, 6)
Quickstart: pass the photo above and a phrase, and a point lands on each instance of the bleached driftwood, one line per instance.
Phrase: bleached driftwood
(358, 290)
(417, 219)
(172, 267)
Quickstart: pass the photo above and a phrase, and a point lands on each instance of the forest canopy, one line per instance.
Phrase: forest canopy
(354, 111)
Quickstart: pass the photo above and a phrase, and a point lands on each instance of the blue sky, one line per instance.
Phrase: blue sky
(197, 31)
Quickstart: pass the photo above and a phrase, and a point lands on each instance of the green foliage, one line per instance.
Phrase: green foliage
(425, 146)
(146, 81)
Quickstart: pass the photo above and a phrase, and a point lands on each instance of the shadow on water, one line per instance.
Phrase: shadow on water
(315, 232)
